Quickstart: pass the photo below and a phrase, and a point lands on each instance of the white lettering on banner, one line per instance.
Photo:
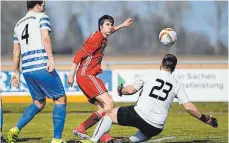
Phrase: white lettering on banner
(203, 85)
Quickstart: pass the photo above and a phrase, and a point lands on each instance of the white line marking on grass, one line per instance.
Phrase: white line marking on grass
(161, 139)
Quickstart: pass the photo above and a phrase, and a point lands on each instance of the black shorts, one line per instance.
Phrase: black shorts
(127, 116)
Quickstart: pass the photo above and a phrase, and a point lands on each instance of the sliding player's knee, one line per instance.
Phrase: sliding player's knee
(113, 115)
(40, 103)
(61, 100)
(108, 104)
(139, 137)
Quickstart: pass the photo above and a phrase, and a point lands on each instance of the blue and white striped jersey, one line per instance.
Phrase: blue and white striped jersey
(27, 34)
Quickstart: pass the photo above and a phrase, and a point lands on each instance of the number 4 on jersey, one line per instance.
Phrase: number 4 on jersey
(25, 34)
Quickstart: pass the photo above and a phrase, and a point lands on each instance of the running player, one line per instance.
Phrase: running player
(89, 59)
(33, 44)
(150, 113)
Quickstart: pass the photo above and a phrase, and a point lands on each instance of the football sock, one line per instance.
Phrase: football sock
(92, 120)
(59, 115)
(27, 115)
(103, 127)
(138, 137)
(1, 114)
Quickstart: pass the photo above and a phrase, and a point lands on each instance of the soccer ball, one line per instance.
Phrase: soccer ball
(167, 36)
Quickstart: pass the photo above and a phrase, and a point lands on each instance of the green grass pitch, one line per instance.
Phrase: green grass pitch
(179, 127)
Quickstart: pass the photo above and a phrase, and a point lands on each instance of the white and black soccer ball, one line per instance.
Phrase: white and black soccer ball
(167, 36)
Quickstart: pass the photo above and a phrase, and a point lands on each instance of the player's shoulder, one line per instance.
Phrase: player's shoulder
(18, 22)
(95, 36)
(175, 80)
(42, 15)
(148, 75)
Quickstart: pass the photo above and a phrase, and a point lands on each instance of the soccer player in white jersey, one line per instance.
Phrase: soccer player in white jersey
(150, 113)
(33, 44)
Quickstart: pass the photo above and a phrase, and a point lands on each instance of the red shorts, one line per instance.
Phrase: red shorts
(91, 85)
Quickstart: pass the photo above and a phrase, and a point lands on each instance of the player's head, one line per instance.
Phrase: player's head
(169, 62)
(105, 24)
(39, 5)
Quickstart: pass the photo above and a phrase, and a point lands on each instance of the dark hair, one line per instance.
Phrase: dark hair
(169, 62)
(31, 3)
(103, 18)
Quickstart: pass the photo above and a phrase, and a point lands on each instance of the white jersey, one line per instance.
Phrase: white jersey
(158, 92)
(27, 33)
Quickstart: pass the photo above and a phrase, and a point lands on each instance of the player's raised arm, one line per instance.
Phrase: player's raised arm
(126, 23)
(16, 63)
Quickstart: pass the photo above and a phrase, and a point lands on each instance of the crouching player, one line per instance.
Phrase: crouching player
(151, 111)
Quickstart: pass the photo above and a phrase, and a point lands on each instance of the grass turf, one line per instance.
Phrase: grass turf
(179, 127)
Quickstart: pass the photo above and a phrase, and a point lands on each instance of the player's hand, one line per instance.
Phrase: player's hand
(70, 80)
(127, 22)
(50, 66)
(209, 120)
(15, 80)
(119, 89)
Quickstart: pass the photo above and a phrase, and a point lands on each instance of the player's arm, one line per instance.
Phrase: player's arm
(126, 23)
(192, 110)
(45, 29)
(48, 48)
(127, 90)
(16, 64)
(89, 47)
(130, 89)
(79, 56)
(71, 74)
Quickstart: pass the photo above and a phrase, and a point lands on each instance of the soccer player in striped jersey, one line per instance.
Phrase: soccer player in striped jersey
(150, 113)
(89, 59)
(33, 44)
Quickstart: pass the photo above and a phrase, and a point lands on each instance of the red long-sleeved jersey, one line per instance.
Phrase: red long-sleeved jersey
(91, 54)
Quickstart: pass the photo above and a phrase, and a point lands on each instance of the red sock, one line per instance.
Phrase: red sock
(92, 120)
(105, 138)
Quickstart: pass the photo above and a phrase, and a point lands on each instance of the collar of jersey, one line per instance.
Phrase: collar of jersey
(163, 71)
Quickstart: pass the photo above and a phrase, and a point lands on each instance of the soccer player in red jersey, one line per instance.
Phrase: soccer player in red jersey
(89, 59)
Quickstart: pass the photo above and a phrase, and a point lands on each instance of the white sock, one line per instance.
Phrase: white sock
(138, 137)
(103, 127)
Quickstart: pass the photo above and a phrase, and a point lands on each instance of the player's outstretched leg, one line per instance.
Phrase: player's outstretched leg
(104, 103)
(26, 117)
(59, 115)
(80, 130)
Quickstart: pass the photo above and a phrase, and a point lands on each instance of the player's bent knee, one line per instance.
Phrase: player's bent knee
(108, 107)
(60, 100)
(109, 104)
(40, 103)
